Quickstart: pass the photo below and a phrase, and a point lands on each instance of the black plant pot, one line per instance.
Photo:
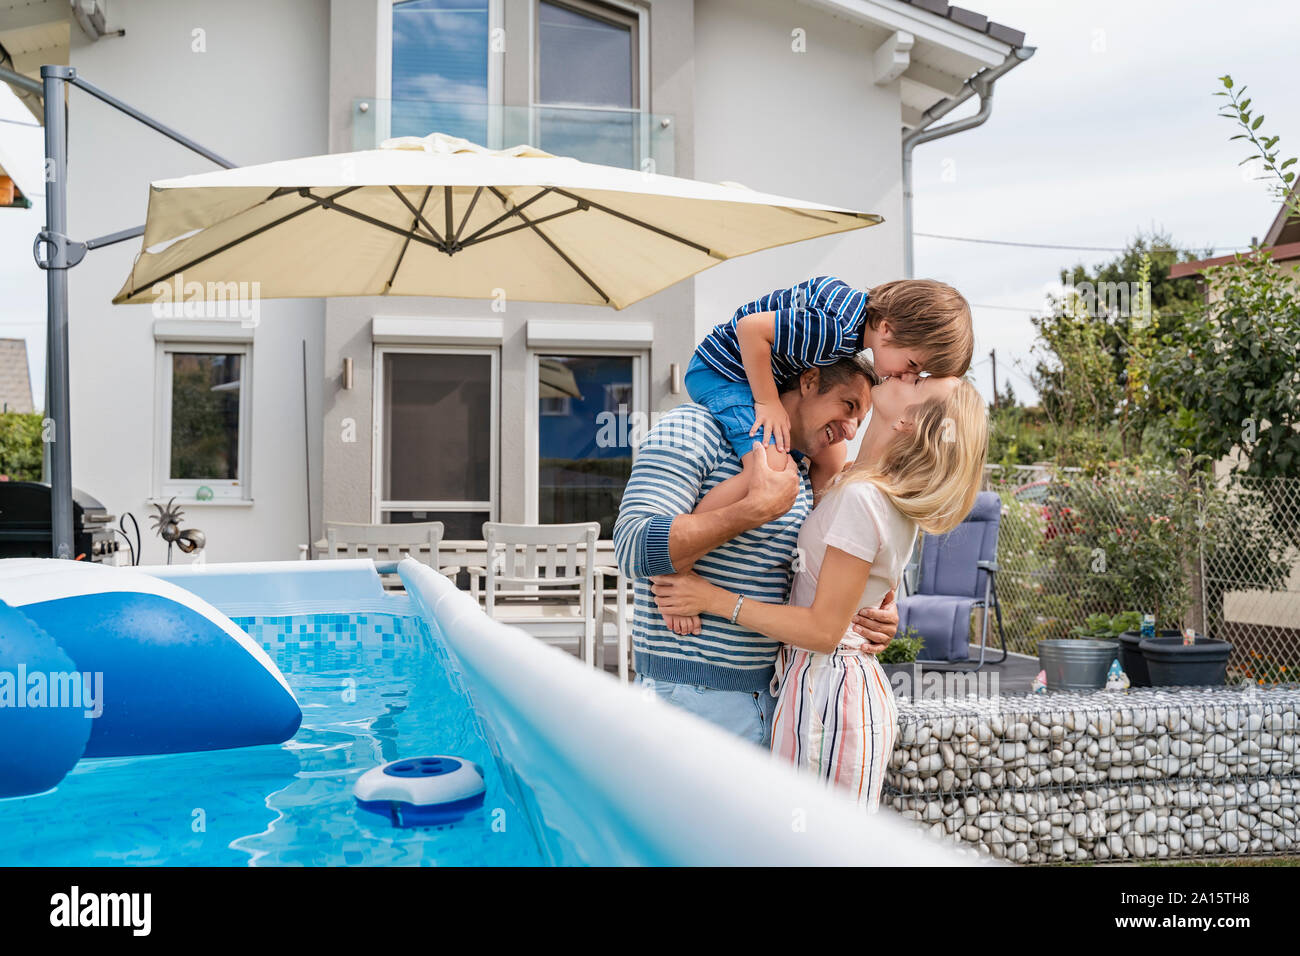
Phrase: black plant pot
(909, 683)
(1130, 655)
(1170, 662)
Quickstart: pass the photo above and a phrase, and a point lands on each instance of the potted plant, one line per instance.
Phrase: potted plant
(1128, 628)
(1173, 661)
(899, 658)
(1080, 662)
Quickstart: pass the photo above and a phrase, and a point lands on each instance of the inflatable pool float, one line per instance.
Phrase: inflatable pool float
(175, 673)
(45, 711)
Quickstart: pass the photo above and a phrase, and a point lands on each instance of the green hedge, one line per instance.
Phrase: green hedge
(20, 445)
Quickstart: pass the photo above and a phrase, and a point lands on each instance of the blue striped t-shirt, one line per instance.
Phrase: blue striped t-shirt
(681, 458)
(818, 322)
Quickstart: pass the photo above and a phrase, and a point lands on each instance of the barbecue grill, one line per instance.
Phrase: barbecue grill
(25, 526)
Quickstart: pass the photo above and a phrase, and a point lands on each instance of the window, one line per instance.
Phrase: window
(438, 425)
(204, 421)
(440, 68)
(585, 457)
(589, 79)
(587, 55)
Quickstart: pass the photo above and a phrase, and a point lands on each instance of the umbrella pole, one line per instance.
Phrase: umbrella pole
(61, 254)
(306, 447)
(58, 447)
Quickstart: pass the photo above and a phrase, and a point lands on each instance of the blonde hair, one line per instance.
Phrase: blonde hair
(929, 316)
(931, 473)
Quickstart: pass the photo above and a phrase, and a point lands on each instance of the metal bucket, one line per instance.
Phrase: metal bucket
(1076, 663)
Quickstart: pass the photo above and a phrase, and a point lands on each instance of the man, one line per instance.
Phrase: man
(722, 673)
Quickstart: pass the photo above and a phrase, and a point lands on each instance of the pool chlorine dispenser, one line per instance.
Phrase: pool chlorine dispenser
(422, 791)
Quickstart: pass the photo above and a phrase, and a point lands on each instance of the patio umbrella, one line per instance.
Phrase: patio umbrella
(441, 216)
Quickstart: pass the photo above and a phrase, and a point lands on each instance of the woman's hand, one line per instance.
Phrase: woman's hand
(684, 594)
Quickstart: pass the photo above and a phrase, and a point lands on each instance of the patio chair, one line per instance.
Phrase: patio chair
(543, 578)
(619, 614)
(383, 542)
(957, 573)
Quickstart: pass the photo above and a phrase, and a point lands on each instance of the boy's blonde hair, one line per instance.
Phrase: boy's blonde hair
(932, 472)
(926, 315)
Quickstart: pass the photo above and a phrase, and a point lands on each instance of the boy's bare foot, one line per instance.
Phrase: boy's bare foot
(682, 625)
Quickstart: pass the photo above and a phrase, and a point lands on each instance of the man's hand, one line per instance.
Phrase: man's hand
(771, 493)
(878, 625)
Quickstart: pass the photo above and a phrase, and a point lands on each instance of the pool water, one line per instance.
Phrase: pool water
(373, 688)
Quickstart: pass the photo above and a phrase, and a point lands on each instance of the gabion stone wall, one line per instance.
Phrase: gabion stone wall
(1147, 774)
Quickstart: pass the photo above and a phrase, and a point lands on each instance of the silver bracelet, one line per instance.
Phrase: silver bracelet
(736, 612)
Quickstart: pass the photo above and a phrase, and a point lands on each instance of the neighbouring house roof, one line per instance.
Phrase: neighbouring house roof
(1282, 241)
(1286, 227)
(15, 383)
(1283, 253)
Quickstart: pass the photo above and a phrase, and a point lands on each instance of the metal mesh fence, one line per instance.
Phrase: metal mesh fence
(1222, 556)
(1149, 774)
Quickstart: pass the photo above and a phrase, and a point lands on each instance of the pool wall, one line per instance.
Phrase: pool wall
(631, 779)
(609, 775)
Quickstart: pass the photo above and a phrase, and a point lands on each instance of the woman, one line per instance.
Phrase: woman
(919, 466)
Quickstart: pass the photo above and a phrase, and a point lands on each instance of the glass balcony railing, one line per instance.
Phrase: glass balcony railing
(629, 139)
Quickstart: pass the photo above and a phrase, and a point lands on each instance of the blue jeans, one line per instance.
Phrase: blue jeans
(746, 714)
(731, 403)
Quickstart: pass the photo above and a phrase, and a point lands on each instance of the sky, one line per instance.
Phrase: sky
(1109, 131)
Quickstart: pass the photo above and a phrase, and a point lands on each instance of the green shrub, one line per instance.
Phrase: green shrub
(903, 648)
(20, 446)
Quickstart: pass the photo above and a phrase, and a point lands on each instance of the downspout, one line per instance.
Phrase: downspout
(981, 85)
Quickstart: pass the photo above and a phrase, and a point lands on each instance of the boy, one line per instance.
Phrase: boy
(910, 325)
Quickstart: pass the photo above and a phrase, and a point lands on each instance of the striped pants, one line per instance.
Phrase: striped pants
(836, 717)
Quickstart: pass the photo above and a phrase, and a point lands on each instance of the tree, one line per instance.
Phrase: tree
(1232, 369)
(1097, 345)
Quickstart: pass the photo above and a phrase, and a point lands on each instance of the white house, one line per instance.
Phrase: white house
(455, 410)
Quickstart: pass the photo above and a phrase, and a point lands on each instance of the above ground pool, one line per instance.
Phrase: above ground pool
(372, 689)
(572, 766)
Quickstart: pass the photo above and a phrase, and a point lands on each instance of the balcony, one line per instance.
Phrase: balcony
(630, 139)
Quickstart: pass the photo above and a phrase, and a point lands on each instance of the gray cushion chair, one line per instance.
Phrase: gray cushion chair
(956, 573)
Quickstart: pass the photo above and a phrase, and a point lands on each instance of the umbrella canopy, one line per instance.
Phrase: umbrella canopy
(555, 380)
(441, 216)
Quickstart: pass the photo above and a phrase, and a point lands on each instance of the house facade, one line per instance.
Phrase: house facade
(455, 410)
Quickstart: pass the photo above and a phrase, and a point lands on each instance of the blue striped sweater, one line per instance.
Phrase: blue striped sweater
(682, 457)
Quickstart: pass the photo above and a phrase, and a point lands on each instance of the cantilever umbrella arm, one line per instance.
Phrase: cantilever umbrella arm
(61, 254)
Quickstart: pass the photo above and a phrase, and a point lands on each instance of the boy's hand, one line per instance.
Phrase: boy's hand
(772, 419)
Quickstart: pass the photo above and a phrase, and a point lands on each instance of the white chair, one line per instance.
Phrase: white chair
(543, 578)
(383, 542)
(619, 614)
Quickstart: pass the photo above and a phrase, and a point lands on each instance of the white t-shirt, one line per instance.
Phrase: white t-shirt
(859, 519)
